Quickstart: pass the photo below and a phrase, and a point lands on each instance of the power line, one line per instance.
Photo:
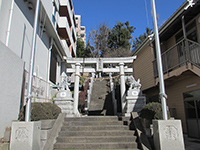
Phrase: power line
(147, 13)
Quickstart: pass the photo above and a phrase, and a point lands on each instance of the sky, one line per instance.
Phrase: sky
(137, 12)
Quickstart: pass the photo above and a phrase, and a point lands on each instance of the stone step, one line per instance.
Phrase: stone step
(96, 133)
(120, 145)
(94, 128)
(98, 149)
(96, 123)
(92, 118)
(96, 139)
(100, 99)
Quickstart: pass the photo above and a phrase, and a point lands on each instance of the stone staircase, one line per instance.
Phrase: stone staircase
(95, 132)
(101, 99)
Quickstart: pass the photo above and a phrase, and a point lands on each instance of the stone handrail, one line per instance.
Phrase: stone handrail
(113, 94)
(54, 132)
(143, 140)
(89, 91)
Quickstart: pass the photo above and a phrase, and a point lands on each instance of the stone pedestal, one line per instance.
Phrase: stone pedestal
(25, 136)
(168, 135)
(65, 101)
(134, 101)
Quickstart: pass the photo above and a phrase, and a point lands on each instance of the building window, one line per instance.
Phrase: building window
(53, 67)
(54, 15)
(82, 35)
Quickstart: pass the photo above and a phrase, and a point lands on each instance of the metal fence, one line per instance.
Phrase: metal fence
(180, 54)
(42, 90)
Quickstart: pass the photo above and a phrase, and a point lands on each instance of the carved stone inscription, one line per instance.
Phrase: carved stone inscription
(21, 134)
(171, 132)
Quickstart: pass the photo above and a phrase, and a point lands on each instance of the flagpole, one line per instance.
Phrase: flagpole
(162, 94)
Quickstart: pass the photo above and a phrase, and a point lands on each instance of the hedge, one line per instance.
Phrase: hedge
(41, 111)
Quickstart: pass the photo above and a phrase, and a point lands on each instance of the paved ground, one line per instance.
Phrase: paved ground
(191, 143)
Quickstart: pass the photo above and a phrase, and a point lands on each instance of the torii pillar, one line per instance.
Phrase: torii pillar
(122, 86)
(76, 88)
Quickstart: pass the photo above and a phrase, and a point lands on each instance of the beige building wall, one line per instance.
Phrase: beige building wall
(175, 95)
(143, 67)
(170, 42)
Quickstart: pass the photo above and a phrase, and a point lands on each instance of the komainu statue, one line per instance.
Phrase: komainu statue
(133, 83)
(64, 85)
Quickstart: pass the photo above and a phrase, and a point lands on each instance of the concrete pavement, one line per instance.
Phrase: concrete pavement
(191, 143)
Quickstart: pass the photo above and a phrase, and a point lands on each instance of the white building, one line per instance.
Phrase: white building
(55, 40)
(80, 30)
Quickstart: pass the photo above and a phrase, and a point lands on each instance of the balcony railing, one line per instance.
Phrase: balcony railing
(184, 52)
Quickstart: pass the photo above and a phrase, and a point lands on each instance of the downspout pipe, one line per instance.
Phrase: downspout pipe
(28, 103)
(9, 22)
(48, 65)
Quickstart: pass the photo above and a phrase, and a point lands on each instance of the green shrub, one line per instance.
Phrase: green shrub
(41, 111)
(152, 111)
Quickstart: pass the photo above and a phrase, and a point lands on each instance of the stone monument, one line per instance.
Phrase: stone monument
(25, 135)
(63, 97)
(168, 134)
(134, 100)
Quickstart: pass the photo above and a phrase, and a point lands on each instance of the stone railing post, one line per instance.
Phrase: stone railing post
(76, 88)
(113, 94)
(89, 92)
(122, 86)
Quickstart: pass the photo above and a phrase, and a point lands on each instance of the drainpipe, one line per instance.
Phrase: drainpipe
(28, 103)
(163, 96)
(9, 22)
(48, 66)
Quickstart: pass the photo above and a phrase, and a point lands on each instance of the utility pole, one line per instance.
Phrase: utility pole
(162, 94)
(28, 103)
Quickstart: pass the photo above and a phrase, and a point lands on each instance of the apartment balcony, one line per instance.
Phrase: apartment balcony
(66, 48)
(63, 28)
(56, 2)
(182, 57)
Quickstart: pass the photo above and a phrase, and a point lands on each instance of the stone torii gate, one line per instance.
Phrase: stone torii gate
(80, 65)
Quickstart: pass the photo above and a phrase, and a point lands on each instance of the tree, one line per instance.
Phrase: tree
(106, 42)
(97, 40)
(120, 36)
(103, 39)
(80, 48)
(118, 52)
(141, 38)
(89, 49)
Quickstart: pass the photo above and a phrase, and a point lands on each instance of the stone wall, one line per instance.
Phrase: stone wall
(11, 71)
